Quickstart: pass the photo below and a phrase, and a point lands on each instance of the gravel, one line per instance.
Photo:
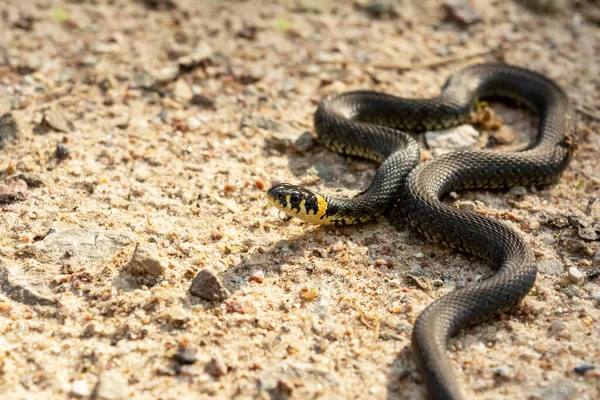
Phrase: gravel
(149, 164)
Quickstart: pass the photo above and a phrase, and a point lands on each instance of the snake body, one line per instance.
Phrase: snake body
(418, 191)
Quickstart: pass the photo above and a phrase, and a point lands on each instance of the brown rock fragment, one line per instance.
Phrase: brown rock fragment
(207, 286)
(13, 192)
(145, 261)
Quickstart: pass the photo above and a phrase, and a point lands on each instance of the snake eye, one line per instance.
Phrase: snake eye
(295, 199)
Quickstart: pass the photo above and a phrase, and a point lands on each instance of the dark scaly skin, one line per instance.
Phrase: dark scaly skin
(344, 123)
(419, 200)
(502, 247)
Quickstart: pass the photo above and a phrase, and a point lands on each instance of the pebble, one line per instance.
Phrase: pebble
(571, 291)
(140, 79)
(13, 192)
(145, 261)
(448, 140)
(466, 205)
(194, 123)
(8, 128)
(202, 52)
(182, 91)
(575, 275)
(582, 369)
(503, 371)
(557, 326)
(167, 74)
(561, 389)
(178, 314)
(594, 291)
(534, 225)
(257, 276)
(185, 355)
(381, 9)
(111, 386)
(82, 246)
(546, 6)
(548, 239)
(216, 366)
(32, 180)
(461, 12)
(61, 152)
(207, 285)
(54, 120)
(80, 388)
(518, 190)
(25, 289)
(202, 101)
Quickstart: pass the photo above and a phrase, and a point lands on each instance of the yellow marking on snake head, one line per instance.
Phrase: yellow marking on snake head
(299, 202)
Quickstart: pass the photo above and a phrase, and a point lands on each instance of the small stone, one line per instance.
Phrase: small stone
(534, 225)
(145, 260)
(167, 74)
(460, 284)
(437, 283)
(571, 291)
(216, 366)
(111, 386)
(420, 282)
(202, 52)
(419, 255)
(257, 276)
(589, 231)
(80, 388)
(466, 205)
(182, 91)
(561, 389)
(25, 289)
(582, 369)
(8, 128)
(593, 290)
(381, 9)
(575, 275)
(54, 120)
(548, 239)
(32, 180)
(309, 292)
(61, 152)
(518, 190)
(557, 326)
(202, 101)
(448, 140)
(141, 79)
(546, 6)
(550, 267)
(185, 355)
(502, 372)
(461, 12)
(178, 314)
(13, 192)
(207, 286)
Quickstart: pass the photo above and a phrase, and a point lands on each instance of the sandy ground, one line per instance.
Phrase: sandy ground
(161, 124)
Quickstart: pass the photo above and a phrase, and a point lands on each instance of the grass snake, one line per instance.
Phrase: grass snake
(372, 125)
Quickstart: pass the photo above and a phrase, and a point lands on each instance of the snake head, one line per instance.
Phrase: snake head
(297, 201)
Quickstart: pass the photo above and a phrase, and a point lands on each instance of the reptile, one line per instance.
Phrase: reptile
(372, 125)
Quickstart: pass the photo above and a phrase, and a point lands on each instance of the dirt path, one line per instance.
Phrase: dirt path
(161, 124)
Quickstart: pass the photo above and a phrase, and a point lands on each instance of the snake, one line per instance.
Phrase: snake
(374, 125)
